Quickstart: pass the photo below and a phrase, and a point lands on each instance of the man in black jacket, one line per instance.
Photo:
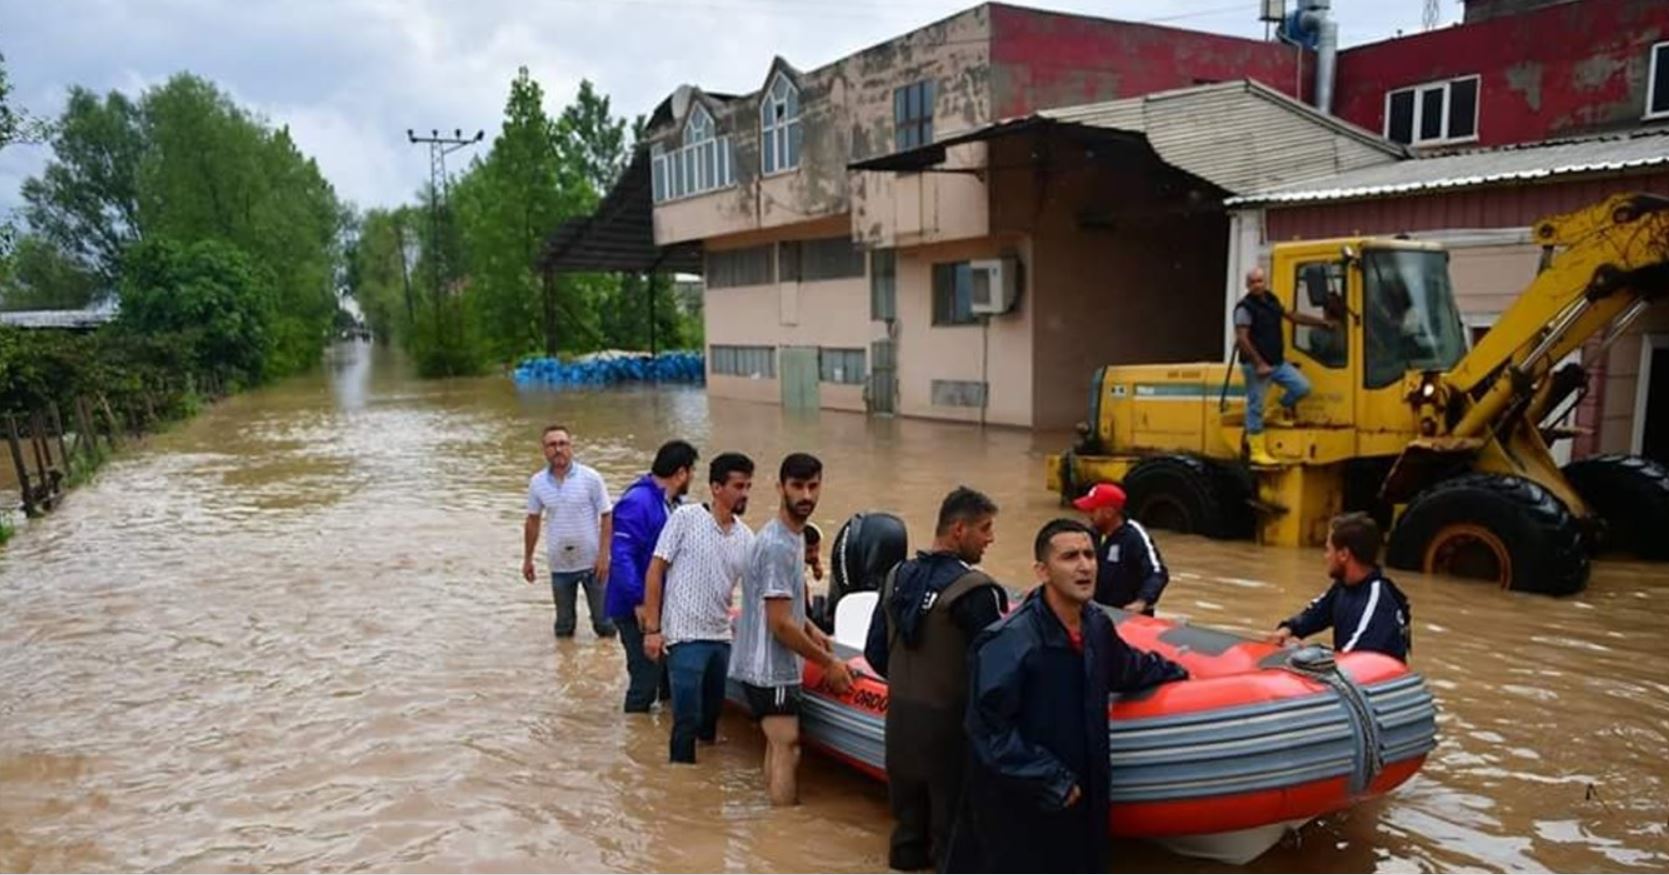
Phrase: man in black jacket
(930, 609)
(1036, 798)
(1130, 573)
(1363, 607)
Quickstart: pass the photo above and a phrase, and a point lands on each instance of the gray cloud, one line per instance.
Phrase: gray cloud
(349, 77)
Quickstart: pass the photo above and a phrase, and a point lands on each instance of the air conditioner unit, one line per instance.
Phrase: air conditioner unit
(996, 285)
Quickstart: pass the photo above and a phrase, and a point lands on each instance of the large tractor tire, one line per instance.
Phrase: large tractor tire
(1631, 495)
(1185, 494)
(1506, 530)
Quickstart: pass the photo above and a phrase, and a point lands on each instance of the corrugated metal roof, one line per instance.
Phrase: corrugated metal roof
(66, 320)
(1613, 153)
(1241, 136)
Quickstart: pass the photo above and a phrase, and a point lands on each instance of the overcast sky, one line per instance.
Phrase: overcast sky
(350, 76)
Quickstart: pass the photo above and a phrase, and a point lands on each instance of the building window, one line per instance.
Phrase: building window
(953, 294)
(1657, 86)
(754, 266)
(912, 115)
(883, 285)
(1433, 113)
(841, 365)
(702, 164)
(743, 361)
(809, 261)
(779, 126)
(958, 393)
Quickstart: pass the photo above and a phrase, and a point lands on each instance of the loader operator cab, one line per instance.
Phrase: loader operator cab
(1410, 321)
(1392, 313)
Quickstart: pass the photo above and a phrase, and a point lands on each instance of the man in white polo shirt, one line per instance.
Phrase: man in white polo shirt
(577, 518)
(697, 566)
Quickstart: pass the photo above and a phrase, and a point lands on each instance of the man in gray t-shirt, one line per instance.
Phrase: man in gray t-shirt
(773, 637)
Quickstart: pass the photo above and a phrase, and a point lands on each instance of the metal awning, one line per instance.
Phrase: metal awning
(924, 157)
(620, 235)
(1240, 136)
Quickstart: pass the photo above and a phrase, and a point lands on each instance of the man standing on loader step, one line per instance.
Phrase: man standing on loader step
(930, 609)
(1258, 333)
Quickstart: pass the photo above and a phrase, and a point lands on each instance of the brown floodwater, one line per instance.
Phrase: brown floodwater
(292, 634)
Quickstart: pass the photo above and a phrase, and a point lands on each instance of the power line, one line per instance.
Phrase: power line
(440, 146)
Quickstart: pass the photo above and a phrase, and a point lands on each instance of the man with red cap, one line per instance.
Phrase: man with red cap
(1130, 575)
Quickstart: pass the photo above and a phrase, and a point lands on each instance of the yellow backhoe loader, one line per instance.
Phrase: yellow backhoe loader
(1446, 445)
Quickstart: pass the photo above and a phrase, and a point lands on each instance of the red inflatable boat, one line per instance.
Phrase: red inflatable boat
(1257, 741)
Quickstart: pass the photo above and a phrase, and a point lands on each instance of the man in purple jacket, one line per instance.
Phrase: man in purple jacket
(639, 516)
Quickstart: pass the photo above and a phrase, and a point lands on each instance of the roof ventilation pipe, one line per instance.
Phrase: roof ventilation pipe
(1311, 26)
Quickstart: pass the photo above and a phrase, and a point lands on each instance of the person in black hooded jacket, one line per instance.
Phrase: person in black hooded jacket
(930, 608)
(1037, 792)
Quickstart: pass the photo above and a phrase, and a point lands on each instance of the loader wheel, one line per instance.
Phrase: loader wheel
(1178, 493)
(1506, 530)
(1631, 495)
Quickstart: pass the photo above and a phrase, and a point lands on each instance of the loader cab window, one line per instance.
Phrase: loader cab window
(1328, 346)
(1409, 317)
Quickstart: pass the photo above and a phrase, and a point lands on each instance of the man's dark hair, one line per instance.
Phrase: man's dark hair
(725, 464)
(799, 466)
(1358, 533)
(1062, 526)
(814, 535)
(672, 457)
(963, 505)
(555, 427)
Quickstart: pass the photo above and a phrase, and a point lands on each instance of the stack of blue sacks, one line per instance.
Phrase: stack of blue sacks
(608, 368)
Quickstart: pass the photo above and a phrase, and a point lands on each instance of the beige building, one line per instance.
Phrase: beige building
(875, 238)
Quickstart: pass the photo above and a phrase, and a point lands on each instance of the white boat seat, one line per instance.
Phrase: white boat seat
(852, 615)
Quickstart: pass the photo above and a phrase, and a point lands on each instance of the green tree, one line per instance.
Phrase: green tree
(209, 293)
(86, 202)
(16, 124)
(379, 272)
(506, 205)
(41, 277)
(212, 171)
(592, 139)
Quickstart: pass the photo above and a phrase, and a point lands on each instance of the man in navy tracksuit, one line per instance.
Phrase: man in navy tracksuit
(1364, 608)
(1036, 797)
(639, 516)
(1130, 573)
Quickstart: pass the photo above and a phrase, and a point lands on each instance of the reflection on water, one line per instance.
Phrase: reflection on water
(291, 634)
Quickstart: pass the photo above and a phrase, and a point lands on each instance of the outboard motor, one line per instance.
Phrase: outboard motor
(865, 549)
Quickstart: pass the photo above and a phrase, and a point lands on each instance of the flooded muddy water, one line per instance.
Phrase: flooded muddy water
(292, 634)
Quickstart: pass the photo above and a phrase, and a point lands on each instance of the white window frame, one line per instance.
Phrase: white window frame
(1651, 345)
(775, 118)
(1419, 107)
(683, 171)
(1651, 81)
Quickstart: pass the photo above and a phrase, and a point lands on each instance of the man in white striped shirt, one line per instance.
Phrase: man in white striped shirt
(697, 565)
(578, 522)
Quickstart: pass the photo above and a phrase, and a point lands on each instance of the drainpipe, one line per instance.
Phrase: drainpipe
(1315, 18)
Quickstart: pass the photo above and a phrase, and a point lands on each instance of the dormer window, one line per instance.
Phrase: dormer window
(702, 164)
(779, 126)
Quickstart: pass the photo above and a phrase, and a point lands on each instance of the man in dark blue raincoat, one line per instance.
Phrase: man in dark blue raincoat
(1036, 796)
